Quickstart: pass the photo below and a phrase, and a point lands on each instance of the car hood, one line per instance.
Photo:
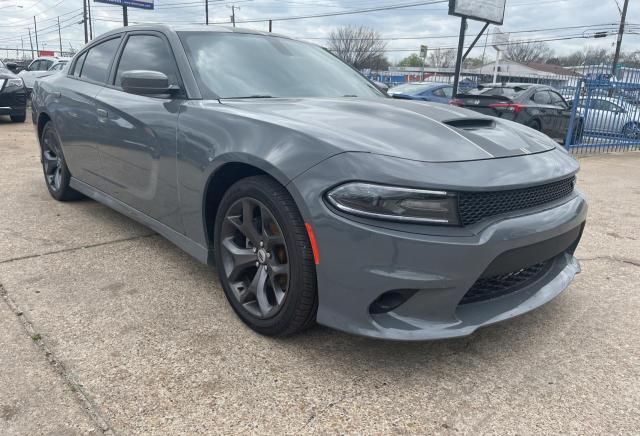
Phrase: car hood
(399, 128)
(6, 74)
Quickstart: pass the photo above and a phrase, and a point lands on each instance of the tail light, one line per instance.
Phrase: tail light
(456, 102)
(511, 107)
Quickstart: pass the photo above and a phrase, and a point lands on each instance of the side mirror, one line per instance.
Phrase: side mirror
(12, 66)
(143, 82)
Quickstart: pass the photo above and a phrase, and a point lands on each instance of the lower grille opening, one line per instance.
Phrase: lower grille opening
(390, 300)
(487, 288)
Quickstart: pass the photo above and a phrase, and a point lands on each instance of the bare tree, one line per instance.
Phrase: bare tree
(528, 52)
(442, 58)
(361, 46)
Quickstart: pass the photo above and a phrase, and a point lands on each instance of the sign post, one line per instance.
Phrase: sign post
(489, 11)
(423, 55)
(140, 4)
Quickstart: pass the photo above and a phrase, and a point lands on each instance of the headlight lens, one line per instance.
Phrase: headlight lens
(14, 83)
(395, 203)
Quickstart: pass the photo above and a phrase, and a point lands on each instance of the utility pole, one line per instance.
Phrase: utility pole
(84, 20)
(89, 16)
(22, 44)
(35, 30)
(59, 36)
(233, 15)
(125, 16)
(206, 12)
(616, 57)
(270, 25)
(30, 41)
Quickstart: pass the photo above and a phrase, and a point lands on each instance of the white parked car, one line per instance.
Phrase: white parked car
(42, 67)
(609, 116)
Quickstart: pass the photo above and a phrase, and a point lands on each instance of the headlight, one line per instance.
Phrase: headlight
(395, 203)
(14, 83)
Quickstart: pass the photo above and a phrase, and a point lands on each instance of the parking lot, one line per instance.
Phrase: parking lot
(106, 327)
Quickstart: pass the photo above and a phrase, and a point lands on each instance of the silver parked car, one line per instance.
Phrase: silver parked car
(41, 67)
(315, 196)
(609, 116)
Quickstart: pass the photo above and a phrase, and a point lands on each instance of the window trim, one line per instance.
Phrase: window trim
(86, 51)
(118, 57)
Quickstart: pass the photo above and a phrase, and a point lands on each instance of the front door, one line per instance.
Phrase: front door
(138, 142)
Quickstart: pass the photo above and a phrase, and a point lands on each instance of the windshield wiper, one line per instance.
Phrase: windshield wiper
(249, 96)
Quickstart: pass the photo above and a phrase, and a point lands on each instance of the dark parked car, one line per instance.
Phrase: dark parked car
(315, 196)
(13, 96)
(537, 106)
(425, 91)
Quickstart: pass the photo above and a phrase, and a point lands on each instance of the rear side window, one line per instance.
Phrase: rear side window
(77, 68)
(147, 52)
(556, 99)
(96, 65)
(445, 91)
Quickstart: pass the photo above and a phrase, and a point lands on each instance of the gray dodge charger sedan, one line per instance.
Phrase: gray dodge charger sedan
(315, 196)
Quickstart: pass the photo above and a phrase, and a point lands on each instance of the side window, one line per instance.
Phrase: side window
(147, 52)
(77, 68)
(542, 97)
(35, 66)
(46, 64)
(448, 91)
(439, 92)
(557, 100)
(96, 64)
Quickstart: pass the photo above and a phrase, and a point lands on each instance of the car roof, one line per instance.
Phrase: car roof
(189, 28)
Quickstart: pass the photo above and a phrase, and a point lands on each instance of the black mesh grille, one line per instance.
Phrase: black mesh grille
(475, 206)
(497, 286)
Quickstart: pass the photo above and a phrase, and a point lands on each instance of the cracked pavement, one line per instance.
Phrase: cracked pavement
(107, 328)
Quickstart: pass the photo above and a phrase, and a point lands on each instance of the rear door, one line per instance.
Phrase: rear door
(76, 118)
(138, 145)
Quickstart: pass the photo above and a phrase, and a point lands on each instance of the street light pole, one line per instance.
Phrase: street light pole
(125, 16)
(84, 20)
(206, 12)
(59, 36)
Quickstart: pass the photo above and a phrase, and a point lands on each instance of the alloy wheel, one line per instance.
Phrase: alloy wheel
(52, 160)
(255, 257)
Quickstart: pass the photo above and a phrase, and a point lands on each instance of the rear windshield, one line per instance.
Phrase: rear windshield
(504, 91)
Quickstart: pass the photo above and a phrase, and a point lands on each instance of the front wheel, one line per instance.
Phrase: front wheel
(264, 258)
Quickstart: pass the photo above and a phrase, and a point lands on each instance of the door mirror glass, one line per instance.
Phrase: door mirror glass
(143, 82)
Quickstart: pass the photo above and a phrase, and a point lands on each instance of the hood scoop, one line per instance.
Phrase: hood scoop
(471, 123)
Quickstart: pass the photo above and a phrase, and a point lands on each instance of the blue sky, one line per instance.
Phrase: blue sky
(423, 22)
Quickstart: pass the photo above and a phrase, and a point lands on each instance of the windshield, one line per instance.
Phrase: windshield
(240, 65)
(409, 89)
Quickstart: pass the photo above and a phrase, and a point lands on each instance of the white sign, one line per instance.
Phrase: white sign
(482, 10)
(499, 40)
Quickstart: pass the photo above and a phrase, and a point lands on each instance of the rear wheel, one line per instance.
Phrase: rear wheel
(18, 118)
(264, 258)
(56, 172)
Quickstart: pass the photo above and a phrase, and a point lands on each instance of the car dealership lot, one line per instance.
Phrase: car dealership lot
(107, 327)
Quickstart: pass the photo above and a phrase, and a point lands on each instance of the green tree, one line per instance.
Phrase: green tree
(413, 60)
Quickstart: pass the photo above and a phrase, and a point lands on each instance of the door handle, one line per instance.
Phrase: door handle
(103, 113)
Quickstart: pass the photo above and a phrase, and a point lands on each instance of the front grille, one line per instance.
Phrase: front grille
(503, 284)
(476, 206)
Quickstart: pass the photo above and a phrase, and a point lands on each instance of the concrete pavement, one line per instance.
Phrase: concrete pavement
(106, 327)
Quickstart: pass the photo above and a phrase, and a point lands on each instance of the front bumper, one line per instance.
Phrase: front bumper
(360, 260)
(13, 101)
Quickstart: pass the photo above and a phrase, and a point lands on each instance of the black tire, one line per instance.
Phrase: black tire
(54, 167)
(631, 130)
(298, 309)
(18, 118)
